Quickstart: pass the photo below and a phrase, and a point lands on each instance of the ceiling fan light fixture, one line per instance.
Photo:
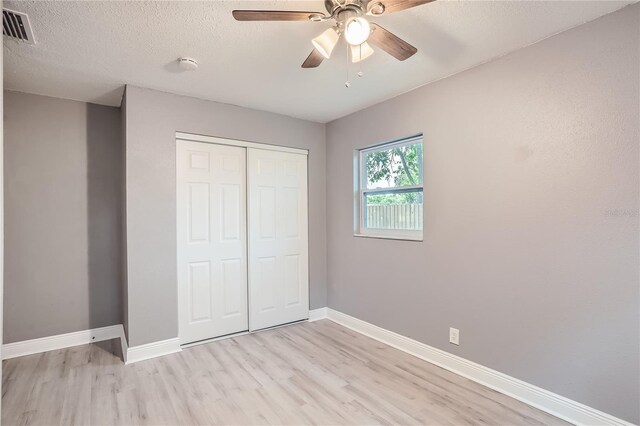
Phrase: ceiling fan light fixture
(360, 52)
(325, 42)
(356, 31)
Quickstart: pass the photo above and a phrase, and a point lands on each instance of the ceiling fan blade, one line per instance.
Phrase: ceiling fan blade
(391, 43)
(390, 6)
(314, 59)
(273, 15)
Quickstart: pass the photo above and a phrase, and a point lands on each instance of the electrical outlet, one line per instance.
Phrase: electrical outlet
(454, 336)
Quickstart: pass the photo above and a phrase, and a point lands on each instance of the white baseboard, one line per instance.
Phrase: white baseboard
(544, 400)
(84, 337)
(61, 341)
(123, 344)
(547, 401)
(317, 314)
(152, 350)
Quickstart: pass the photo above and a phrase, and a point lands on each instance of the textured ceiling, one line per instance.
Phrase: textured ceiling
(88, 50)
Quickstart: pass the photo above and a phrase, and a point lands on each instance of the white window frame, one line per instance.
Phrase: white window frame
(360, 189)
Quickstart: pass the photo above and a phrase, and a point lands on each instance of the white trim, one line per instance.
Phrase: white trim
(235, 142)
(123, 344)
(380, 146)
(542, 399)
(317, 314)
(393, 189)
(152, 350)
(380, 234)
(61, 341)
(84, 337)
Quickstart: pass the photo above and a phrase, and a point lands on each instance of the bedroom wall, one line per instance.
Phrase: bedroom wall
(152, 120)
(123, 213)
(62, 186)
(531, 216)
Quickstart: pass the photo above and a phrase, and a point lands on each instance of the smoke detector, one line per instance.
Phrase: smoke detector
(187, 64)
(15, 25)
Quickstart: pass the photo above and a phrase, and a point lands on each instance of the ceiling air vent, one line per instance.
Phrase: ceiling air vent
(16, 25)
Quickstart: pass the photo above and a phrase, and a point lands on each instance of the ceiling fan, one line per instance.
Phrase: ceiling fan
(350, 22)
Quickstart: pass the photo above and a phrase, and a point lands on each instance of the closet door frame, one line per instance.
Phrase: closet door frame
(191, 137)
(240, 143)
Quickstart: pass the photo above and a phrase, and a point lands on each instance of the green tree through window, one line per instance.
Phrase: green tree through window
(397, 167)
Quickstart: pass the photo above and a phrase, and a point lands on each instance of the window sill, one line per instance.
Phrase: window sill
(390, 237)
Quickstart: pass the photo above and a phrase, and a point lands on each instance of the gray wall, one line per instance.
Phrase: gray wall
(123, 213)
(531, 216)
(62, 163)
(152, 119)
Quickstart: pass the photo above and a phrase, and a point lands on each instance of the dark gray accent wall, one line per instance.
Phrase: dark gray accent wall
(152, 120)
(62, 171)
(531, 237)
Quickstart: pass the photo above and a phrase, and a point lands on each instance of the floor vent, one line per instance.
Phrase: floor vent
(16, 25)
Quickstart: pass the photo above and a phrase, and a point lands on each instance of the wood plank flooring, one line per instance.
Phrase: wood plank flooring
(309, 373)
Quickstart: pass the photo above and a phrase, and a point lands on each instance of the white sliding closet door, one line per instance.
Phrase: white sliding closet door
(212, 260)
(278, 253)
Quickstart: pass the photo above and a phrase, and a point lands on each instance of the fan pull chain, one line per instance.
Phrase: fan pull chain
(360, 73)
(347, 83)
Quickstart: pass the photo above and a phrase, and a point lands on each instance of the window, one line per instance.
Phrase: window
(389, 190)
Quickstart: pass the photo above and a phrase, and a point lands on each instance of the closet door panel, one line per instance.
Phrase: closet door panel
(278, 252)
(212, 255)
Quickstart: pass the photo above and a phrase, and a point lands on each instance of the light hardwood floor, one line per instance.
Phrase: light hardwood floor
(309, 373)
